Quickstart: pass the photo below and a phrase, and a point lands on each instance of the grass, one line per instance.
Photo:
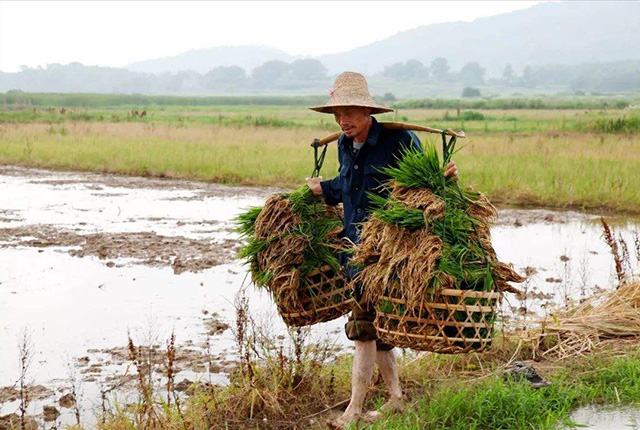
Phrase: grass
(119, 100)
(296, 389)
(562, 169)
(495, 403)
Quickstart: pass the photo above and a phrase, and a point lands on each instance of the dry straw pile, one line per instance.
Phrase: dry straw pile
(292, 247)
(427, 261)
(608, 318)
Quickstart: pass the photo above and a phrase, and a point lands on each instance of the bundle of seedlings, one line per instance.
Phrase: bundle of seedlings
(292, 247)
(426, 259)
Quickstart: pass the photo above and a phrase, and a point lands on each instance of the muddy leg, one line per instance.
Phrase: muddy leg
(362, 373)
(386, 361)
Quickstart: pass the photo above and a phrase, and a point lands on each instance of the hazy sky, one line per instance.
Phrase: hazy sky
(118, 33)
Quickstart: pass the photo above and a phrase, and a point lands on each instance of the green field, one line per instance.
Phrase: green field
(586, 158)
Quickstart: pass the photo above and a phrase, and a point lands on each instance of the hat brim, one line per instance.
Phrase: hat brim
(329, 108)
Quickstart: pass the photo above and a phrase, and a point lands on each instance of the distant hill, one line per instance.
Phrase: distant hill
(548, 33)
(203, 60)
(568, 32)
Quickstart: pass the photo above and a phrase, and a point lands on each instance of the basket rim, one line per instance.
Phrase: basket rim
(445, 306)
(438, 338)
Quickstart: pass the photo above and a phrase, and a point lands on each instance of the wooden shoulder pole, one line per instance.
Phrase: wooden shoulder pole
(396, 126)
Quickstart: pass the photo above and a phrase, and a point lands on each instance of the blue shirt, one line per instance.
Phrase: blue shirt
(360, 173)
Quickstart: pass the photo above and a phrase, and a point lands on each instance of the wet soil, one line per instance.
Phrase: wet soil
(99, 181)
(36, 392)
(148, 248)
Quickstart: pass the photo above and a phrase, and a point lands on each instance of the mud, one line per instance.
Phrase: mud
(12, 422)
(522, 217)
(148, 248)
(50, 413)
(97, 181)
(67, 401)
(35, 392)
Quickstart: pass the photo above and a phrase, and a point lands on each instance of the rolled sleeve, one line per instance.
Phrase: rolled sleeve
(332, 191)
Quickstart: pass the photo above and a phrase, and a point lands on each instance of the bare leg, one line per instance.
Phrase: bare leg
(386, 361)
(362, 373)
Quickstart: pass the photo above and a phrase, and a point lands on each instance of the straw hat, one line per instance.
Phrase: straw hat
(351, 89)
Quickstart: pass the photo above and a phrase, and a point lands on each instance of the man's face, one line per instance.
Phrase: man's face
(353, 120)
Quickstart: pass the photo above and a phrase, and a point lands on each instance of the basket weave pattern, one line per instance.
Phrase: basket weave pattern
(324, 296)
(453, 322)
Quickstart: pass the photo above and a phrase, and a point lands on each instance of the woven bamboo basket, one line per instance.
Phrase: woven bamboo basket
(454, 322)
(324, 296)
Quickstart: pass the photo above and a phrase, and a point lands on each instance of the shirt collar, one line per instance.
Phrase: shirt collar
(374, 132)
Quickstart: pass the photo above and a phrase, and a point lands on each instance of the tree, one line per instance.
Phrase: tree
(528, 78)
(472, 74)
(415, 71)
(269, 73)
(440, 69)
(389, 98)
(393, 71)
(508, 75)
(308, 70)
(411, 70)
(225, 78)
(470, 92)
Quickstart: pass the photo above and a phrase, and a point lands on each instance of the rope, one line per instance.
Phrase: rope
(318, 157)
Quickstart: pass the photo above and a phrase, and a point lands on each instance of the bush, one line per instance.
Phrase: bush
(471, 115)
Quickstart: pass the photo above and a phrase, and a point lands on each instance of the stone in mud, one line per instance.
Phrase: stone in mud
(215, 326)
(50, 413)
(521, 371)
(67, 401)
(183, 385)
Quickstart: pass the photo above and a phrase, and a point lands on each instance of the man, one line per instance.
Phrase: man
(363, 149)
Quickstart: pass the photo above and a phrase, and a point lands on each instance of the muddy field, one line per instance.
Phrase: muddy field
(88, 259)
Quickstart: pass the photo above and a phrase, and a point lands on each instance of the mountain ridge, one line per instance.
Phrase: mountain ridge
(573, 33)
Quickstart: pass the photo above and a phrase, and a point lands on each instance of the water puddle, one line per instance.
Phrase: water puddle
(87, 259)
(606, 418)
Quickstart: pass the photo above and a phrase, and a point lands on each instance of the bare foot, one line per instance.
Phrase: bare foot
(394, 405)
(343, 421)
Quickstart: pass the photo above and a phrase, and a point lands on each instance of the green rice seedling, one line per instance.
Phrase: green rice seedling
(292, 250)
(426, 258)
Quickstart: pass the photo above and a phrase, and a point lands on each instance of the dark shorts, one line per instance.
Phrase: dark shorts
(360, 325)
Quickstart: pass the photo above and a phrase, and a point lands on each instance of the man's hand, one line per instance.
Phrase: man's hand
(314, 185)
(451, 171)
